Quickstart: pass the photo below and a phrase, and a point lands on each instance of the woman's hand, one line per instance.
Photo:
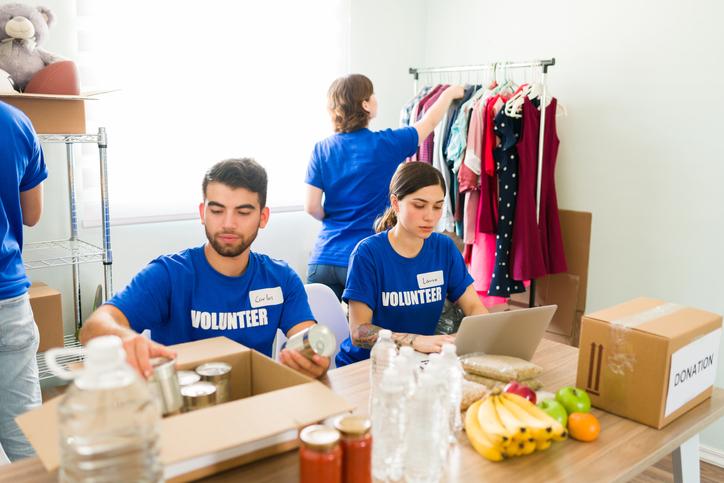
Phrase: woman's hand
(455, 91)
(431, 343)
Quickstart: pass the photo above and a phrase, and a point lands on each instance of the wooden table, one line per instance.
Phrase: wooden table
(623, 450)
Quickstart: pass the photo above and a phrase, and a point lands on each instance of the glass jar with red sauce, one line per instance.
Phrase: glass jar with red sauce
(356, 445)
(320, 455)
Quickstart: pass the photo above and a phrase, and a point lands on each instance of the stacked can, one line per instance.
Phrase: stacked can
(218, 374)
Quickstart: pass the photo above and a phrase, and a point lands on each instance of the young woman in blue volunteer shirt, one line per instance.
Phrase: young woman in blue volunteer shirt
(400, 277)
(351, 171)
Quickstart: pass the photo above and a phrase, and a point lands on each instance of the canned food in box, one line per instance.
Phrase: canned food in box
(198, 395)
(217, 373)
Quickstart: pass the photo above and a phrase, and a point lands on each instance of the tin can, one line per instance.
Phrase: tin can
(316, 339)
(164, 385)
(217, 373)
(198, 395)
(187, 377)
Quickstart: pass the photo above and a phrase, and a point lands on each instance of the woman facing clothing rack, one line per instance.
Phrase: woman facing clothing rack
(349, 172)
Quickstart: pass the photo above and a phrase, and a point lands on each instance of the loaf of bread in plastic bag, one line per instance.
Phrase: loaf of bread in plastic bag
(534, 384)
(500, 368)
(472, 391)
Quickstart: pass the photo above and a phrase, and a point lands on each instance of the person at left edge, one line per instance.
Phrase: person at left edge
(219, 289)
(22, 173)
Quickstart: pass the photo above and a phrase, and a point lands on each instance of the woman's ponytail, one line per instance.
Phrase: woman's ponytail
(386, 221)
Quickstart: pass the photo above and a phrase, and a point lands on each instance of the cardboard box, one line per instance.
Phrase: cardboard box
(567, 290)
(51, 113)
(48, 314)
(648, 360)
(270, 404)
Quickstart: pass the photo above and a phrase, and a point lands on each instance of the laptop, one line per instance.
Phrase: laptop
(514, 333)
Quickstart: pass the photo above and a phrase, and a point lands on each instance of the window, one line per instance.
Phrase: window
(200, 84)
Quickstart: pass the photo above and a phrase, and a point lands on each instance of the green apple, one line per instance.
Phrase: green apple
(574, 400)
(555, 410)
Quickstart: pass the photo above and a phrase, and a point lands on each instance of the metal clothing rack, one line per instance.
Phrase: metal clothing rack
(543, 64)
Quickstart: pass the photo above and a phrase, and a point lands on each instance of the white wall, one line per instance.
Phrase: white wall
(375, 51)
(641, 146)
(387, 39)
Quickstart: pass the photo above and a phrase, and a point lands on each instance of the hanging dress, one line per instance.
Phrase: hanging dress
(506, 167)
(537, 247)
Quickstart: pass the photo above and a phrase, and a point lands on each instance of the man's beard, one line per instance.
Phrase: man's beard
(230, 250)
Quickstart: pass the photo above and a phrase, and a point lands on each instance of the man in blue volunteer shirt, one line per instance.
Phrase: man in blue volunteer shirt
(22, 171)
(219, 289)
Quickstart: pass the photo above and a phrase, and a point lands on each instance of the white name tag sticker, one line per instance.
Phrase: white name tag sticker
(430, 279)
(266, 296)
(693, 370)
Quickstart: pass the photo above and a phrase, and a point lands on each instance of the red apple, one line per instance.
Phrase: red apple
(521, 390)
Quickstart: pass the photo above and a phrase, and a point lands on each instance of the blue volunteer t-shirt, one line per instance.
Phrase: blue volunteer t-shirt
(405, 294)
(354, 171)
(181, 298)
(22, 168)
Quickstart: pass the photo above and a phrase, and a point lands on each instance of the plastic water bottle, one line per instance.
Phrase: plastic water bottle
(437, 370)
(408, 369)
(453, 371)
(389, 421)
(382, 356)
(109, 424)
(423, 455)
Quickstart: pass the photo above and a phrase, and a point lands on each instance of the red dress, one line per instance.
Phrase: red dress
(537, 247)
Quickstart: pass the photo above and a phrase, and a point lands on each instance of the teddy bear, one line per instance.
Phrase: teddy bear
(22, 30)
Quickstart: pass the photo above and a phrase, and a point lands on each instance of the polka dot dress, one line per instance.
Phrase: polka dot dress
(506, 167)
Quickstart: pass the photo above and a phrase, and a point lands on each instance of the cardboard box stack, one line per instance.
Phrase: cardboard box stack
(270, 403)
(566, 290)
(648, 360)
(52, 113)
(48, 314)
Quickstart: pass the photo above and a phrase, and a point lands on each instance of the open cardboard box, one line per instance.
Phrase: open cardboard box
(270, 403)
(52, 113)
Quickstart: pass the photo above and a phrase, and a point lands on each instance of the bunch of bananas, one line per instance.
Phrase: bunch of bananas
(503, 425)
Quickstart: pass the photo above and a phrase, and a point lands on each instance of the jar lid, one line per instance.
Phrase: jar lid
(353, 425)
(320, 437)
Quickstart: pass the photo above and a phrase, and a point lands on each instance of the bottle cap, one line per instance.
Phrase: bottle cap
(104, 353)
(448, 348)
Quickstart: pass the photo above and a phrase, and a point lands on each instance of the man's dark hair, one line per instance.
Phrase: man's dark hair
(238, 173)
